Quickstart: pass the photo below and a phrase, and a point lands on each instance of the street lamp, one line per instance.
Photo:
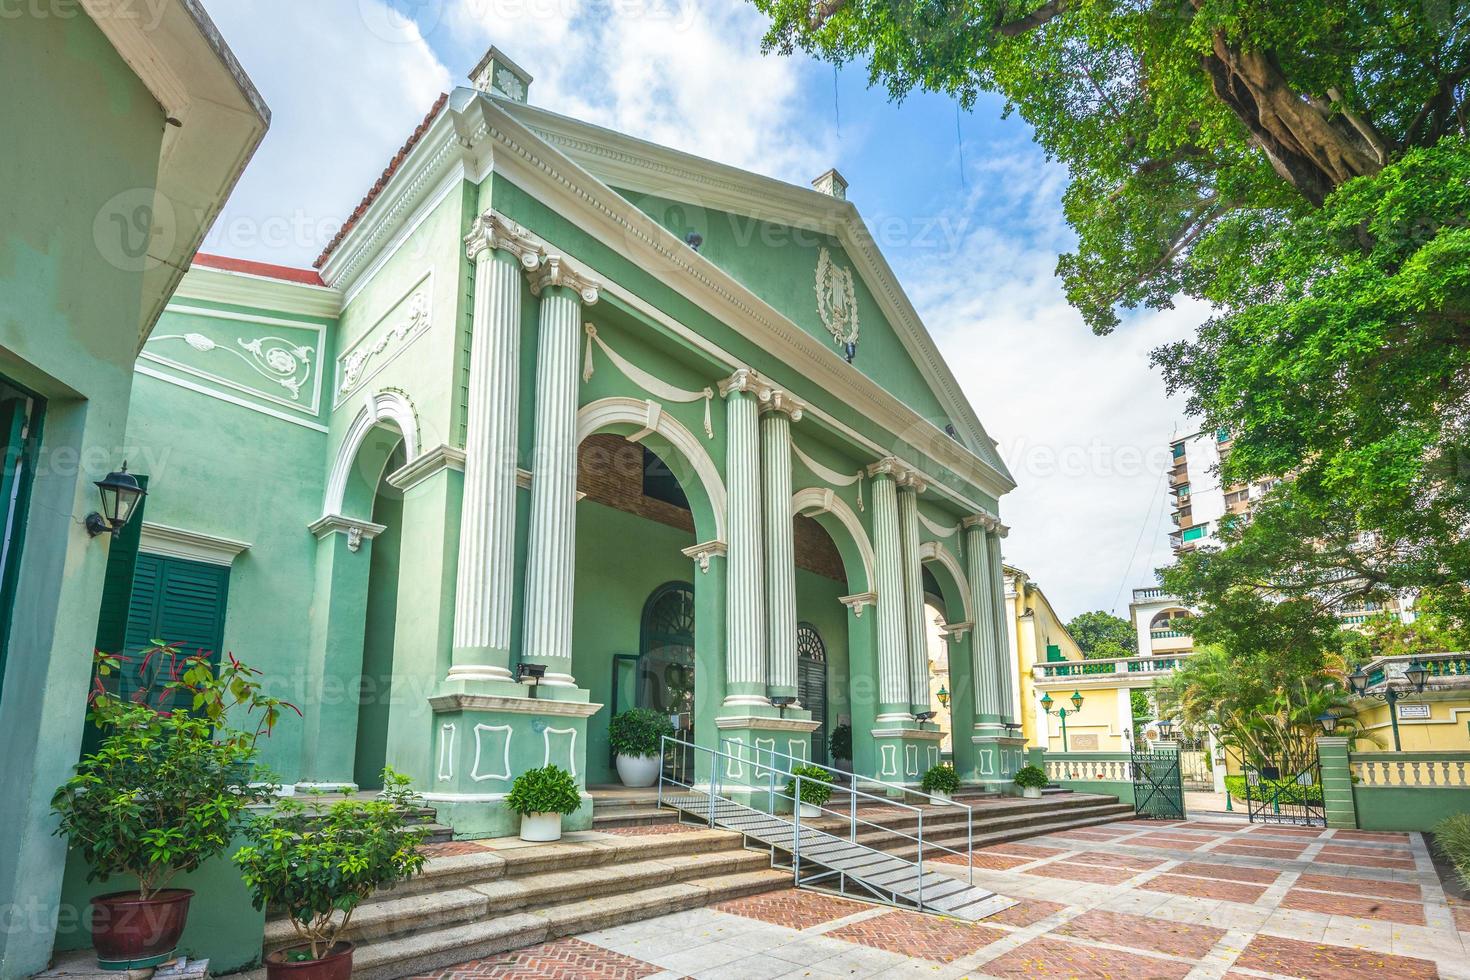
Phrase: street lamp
(1166, 729)
(120, 492)
(1076, 699)
(943, 696)
(1328, 721)
(1416, 674)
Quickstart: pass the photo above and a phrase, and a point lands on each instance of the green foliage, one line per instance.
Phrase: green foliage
(841, 742)
(1284, 790)
(1032, 777)
(319, 862)
(1452, 839)
(1102, 634)
(816, 787)
(637, 732)
(940, 779)
(1265, 704)
(1300, 166)
(1386, 635)
(1143, 712)
(547, 790)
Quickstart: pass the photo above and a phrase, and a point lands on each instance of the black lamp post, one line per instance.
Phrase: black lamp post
(1416, 674)
(120, 493)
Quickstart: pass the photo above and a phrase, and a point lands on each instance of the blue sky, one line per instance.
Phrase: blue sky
(967, 211)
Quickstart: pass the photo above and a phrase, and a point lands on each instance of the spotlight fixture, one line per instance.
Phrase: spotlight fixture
(530, 674)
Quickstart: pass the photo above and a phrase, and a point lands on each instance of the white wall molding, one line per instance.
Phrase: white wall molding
(428, 464)
(178, 542)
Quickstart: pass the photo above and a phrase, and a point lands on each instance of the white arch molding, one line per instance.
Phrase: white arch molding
(821, 500)
(385, 406)
(650, 418)
(934, 551)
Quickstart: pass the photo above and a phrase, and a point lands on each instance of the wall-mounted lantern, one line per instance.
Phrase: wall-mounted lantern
(120, 495)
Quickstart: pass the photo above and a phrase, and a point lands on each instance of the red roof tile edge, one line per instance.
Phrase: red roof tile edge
(308, 277)
(377, 188)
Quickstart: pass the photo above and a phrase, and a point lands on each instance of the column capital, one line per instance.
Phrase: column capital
(493, 230)
(985, 522)
(777, 400)
(748, 381)
(859, 601)
(904, 475)
(554, 271)
(704, 551)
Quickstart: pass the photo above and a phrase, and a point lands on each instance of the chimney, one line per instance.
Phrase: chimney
(833, 184)
(497, 75)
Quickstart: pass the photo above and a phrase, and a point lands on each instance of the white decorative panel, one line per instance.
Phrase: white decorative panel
(764, 748)
(911, 760)
(735, 765)
(492, 753)
(446, 751)
(561, 750)
(890, 760)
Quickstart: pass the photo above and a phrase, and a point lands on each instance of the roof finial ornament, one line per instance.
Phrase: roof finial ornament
(497, 75)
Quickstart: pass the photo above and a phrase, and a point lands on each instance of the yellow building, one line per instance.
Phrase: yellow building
(1434, 719)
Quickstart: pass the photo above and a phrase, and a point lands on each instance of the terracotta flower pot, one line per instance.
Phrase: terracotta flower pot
(129, 932)
(336, 965)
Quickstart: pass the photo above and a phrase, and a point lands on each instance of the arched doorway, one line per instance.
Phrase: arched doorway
(811, 683)
(666, 654)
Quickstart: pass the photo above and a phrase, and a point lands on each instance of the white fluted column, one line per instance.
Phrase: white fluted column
(485, 587)
(916, 636)
(551, 550)
(1005, 665)
(745, 623)
(982, 596)
(893, 676)
(780, 410)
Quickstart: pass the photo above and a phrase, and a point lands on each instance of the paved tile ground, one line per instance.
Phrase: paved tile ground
(1203, 899)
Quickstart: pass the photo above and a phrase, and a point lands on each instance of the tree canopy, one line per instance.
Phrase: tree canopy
(1101, 634)
(1301, 166)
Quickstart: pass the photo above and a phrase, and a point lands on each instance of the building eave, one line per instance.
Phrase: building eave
(217, 119)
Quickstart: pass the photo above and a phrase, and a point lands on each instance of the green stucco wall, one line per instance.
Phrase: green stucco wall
(79, 158)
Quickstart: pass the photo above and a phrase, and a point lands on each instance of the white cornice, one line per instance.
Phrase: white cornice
(525, 706)
(638, 165)
(178, 542)
(261, 292)
(427, 464)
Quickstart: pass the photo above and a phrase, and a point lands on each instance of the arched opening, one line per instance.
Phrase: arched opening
(949, 623)
(375, 684)
(636, 632)
(836, 658)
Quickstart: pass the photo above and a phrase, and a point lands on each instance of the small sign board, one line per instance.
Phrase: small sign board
(1413, 711)
(1084, 743)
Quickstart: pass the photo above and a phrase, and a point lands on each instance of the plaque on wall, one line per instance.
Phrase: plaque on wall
(1413, 711)
(1084, 743)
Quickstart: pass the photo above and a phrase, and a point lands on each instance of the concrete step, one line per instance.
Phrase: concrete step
(955, 828)
(901, 846)
(392, 915)
(430, 949)
(632, 817)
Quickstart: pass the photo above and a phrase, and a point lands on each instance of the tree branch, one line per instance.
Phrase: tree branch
(1039, 17)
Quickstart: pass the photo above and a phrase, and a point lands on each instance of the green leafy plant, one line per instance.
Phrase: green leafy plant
(940, 779)
(841, 743)
(318, 862)
(813, 793)
(1279, 790)
(166, 789)
(638, 732)
(1031, 777)
(1452, 839)
(547, 790)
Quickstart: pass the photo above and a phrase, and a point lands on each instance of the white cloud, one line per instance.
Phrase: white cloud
(346, 82)
(1082, 420)
(682, 74)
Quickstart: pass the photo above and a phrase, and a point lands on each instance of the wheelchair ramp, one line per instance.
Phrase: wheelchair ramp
(820, 858)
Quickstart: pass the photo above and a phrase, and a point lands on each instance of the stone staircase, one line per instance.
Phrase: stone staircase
(482, 900)
(619, 806)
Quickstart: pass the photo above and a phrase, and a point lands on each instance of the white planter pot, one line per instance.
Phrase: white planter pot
(541, 827)
(1031, 792)
(809, 811)
(843, 764)
(638, 770)
(940, 797)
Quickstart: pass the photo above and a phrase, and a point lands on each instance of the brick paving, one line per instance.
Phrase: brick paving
(565, 959)
(1133, 900)
(451, 848)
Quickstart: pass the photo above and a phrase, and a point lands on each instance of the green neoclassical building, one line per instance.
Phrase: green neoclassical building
(560, 402)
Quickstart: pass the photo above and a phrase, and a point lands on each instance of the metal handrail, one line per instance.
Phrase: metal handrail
(853, 793)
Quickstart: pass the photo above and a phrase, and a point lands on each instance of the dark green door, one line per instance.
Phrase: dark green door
(20, 427)
(811, 684)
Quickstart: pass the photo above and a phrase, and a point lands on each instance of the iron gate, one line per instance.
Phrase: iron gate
(1158, 791)
(1295, 799)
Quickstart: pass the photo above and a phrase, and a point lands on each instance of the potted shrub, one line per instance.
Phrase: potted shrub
(542, 797)
(940, 781)
(317, 863)
(1032, 780)
(637, 737)
(841, 747)
(814, 794)
(163, 793)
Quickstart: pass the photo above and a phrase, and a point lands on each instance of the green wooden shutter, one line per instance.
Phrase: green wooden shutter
(179, 602)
